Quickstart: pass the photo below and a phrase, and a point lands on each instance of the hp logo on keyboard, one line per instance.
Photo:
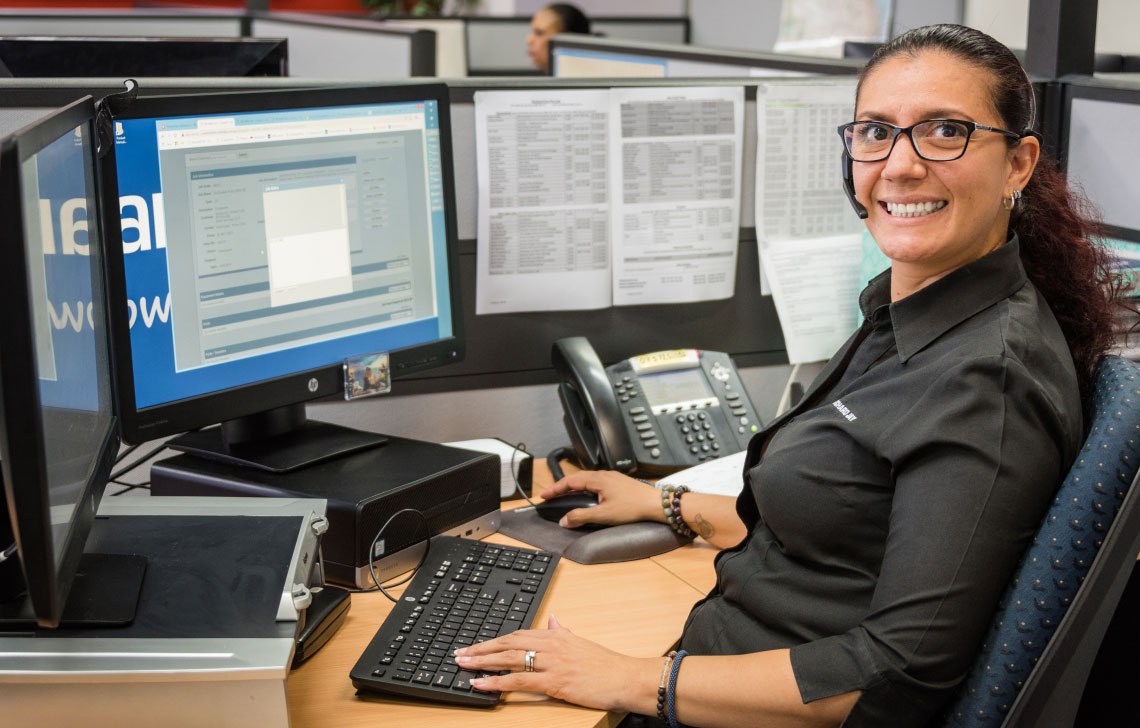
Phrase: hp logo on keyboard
(409, 599)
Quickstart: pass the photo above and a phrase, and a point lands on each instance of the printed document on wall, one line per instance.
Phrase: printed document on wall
(543, 234)
(675, 170)
(799, 189)
(813, 283)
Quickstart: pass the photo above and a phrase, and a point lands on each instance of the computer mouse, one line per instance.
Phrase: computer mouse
(555, 508)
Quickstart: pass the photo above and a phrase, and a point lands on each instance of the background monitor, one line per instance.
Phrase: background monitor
(1101, 152)
(59, 436)
(77, 57)
(265, 238)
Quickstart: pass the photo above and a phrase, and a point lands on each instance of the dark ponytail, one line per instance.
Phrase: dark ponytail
(1057, 228)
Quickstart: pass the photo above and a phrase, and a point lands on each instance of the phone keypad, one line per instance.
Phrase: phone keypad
(696, 430)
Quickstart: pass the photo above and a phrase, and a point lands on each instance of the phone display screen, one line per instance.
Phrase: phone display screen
(675, 388)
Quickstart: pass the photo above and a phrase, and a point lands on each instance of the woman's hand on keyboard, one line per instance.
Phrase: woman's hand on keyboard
(621, 499)
(566, 667)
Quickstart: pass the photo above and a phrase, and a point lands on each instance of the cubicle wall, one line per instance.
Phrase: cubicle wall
(347, 48)
(319, 46)
(575, 56)
(156, 23)
(497, 46)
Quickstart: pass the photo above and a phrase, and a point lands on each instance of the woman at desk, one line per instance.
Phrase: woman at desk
(552, 20)
(881, 518)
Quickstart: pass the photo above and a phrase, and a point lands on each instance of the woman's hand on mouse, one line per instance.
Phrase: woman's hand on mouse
(621, 499)
(565, 666)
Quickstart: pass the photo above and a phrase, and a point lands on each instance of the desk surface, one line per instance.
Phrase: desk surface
(636, 607)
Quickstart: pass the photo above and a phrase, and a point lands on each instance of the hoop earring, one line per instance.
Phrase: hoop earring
(1010, 202)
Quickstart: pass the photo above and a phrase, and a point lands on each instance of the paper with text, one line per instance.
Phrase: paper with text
(543, 232)
(676, 161)
(814, 281)
(799, 189)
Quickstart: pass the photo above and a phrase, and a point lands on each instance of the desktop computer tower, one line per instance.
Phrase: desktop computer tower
(457, 491)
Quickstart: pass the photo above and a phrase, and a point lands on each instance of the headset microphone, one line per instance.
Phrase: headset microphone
(849, 185)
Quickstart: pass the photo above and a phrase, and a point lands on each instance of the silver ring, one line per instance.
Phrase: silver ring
(528, 661)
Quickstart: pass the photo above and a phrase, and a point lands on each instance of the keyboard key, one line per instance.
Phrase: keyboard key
(423, 677)
(462, 681)
(443, 680)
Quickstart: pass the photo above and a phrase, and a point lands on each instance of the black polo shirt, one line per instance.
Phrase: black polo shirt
(892, 504)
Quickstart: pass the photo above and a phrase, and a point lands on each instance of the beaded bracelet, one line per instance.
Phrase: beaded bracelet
(671, 504)
(661, 688)
(671, 690)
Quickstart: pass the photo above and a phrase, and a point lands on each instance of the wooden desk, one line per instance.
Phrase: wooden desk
(636, 607)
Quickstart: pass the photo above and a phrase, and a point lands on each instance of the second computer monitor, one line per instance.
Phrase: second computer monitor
(267, 237)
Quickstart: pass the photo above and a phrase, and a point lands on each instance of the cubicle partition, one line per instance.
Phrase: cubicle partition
(326, 47)
(157, 23)
(496, 46)
(576, 56)
(319, 46)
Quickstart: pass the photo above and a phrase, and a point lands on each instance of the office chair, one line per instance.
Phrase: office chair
(1049, 624)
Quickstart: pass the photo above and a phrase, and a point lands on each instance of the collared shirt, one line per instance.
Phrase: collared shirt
(891, 505)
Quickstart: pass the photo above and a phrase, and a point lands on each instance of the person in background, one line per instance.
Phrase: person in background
(551, 20)
(881, 518)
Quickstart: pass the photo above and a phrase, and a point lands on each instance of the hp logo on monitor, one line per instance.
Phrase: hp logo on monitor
(313, 384)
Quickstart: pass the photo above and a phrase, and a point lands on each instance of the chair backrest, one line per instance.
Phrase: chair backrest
(1049, 624)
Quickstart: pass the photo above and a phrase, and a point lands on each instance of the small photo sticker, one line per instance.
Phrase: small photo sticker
(366, 375)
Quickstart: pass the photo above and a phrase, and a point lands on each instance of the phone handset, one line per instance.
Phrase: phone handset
(592, 414)
(849, 185)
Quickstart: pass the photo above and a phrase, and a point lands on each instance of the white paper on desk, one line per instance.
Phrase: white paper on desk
(814, 282)
(723, 476)
(799, 188)
(675, 167)
(543, 234)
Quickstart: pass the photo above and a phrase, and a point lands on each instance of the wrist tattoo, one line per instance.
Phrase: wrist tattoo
(704, 528)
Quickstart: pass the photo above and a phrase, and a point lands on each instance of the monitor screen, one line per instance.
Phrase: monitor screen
(59, 432)
(1102, 154)
(268, 237)
(578, 63)
(80, 57)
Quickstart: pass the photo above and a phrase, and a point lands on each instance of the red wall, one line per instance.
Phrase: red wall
(292, 6)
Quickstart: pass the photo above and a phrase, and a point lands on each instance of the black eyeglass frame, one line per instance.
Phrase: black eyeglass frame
(971, 127)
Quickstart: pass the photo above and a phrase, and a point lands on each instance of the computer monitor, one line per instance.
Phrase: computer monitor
(1101, 152)
(58, 435)
(264, 239)
(107, 57)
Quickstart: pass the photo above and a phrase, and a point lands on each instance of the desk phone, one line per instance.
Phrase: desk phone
(652, 414)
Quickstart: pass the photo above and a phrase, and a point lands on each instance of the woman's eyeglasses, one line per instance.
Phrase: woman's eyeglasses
(935, 140)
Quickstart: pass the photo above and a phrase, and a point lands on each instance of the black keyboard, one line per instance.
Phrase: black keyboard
(466, 592)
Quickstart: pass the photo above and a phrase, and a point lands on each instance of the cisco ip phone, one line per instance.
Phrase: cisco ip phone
(651, 414)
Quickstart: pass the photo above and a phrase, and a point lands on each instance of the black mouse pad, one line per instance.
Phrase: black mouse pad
(626, 542)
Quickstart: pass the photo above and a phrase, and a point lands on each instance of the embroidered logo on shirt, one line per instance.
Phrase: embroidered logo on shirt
(838, 404)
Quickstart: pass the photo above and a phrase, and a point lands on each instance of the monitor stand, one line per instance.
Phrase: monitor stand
(278, 440)
(104, 593)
